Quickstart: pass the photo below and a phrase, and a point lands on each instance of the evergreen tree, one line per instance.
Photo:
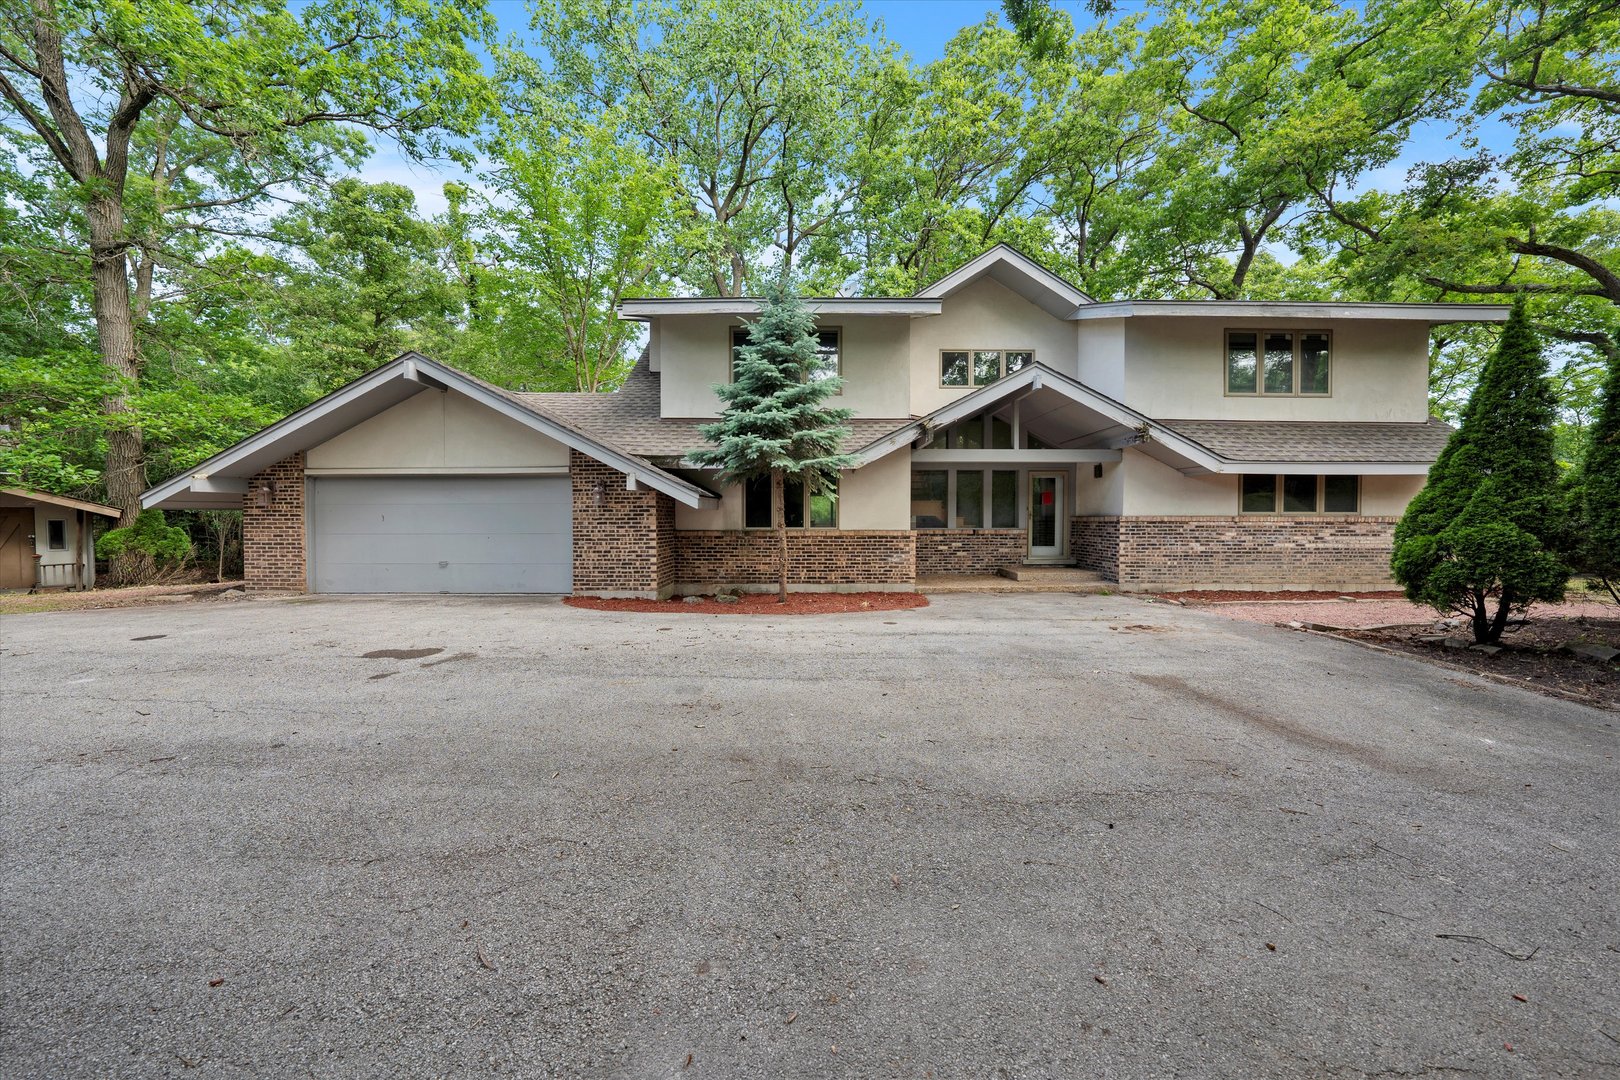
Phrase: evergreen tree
(1478, 539)
(776, 423)
(1600, 490)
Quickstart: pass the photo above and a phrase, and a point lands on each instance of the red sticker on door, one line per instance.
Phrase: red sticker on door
(1046, 498)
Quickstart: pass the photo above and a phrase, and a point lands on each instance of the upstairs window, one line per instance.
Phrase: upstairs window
(980, 367)
(799, 509)
(829, 352)
(1278, 363)
(1264, 494)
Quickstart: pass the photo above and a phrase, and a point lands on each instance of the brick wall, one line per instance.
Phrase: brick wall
(273, 536)
(969, 551)
(846, 557)
(1094, 545)
(623, 540)
(1326, 551)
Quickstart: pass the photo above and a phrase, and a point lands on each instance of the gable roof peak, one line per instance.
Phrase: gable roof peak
(1008, 266)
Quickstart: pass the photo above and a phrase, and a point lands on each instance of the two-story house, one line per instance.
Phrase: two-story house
(1002, 417)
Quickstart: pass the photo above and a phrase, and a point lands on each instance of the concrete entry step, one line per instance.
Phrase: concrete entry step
(1018, 579)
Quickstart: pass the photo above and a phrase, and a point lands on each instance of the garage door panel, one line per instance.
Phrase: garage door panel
(442, 534)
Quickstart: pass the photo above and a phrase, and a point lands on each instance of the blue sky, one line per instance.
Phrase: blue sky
(921, 28)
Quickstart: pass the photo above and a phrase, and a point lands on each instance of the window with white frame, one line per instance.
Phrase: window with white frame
(829, 352)
(801, 508)
(964, 499)
(1278, 363)
(980, 367)
(1266, 494)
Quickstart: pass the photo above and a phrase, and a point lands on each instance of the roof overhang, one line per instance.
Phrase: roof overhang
(1012, 268)
(904, 307)
(220, 481)
(1266, 309)
(62, 500)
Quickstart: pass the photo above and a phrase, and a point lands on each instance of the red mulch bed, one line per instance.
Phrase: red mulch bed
(1219, 596)
(798, 603)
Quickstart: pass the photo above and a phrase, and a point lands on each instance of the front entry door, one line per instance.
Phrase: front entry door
(16, 548)
(1045, 515)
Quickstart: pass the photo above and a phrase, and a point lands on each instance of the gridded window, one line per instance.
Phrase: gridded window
(980, 367)
(1263, 494)
(799, 508)
(829, 352)
(1278, 363)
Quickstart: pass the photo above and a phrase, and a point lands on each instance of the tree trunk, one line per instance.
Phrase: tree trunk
(115, 333)
(779, 512)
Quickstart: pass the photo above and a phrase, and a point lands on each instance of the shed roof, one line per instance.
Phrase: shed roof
(62, 500)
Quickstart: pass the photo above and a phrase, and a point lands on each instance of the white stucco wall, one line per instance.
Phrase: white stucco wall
(984, 315)
(1175, 368)
(439, 432)
(1101, 496)
(1102, 356)
(878, 495)
(1388, 495)
(694, 356)
(1152, 487)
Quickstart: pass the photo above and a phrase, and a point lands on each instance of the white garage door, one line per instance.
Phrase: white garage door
(442, 534)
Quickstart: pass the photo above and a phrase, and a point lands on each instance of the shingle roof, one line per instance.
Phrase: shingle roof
(1326, 441)
(629, 418)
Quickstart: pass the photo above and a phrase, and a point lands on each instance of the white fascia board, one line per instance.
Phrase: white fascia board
(1331, 468)
(747, 306)
(1261, 309)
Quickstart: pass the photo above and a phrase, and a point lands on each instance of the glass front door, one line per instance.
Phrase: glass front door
(1045, 515)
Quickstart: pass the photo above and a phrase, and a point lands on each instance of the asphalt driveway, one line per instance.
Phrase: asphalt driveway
(1019, 836)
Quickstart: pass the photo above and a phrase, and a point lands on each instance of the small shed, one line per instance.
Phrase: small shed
(46, 541)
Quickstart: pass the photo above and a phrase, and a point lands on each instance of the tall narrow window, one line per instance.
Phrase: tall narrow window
(1241, 363)
(970, 500)
(1004, 499)
(929, 492)
(56, 534)
(1313, 363)
(1279, 371)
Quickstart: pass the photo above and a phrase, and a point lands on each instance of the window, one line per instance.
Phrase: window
(56, 534)
(1300, 494)
(829, 352)
(930, 494)
(799, 510)
(956, 499)
(980, 367)
(1285, 363)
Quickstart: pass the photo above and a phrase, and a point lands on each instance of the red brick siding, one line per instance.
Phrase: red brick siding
(969, 551)
(273, 535)
(1328, 551)
(1094, 545)
(708, 558)
(620, 536)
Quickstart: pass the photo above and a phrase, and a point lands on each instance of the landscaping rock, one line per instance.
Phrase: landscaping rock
(1488, 650)
(1603, 654)
(692, 599)
(725, 598)
(1455, 642)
